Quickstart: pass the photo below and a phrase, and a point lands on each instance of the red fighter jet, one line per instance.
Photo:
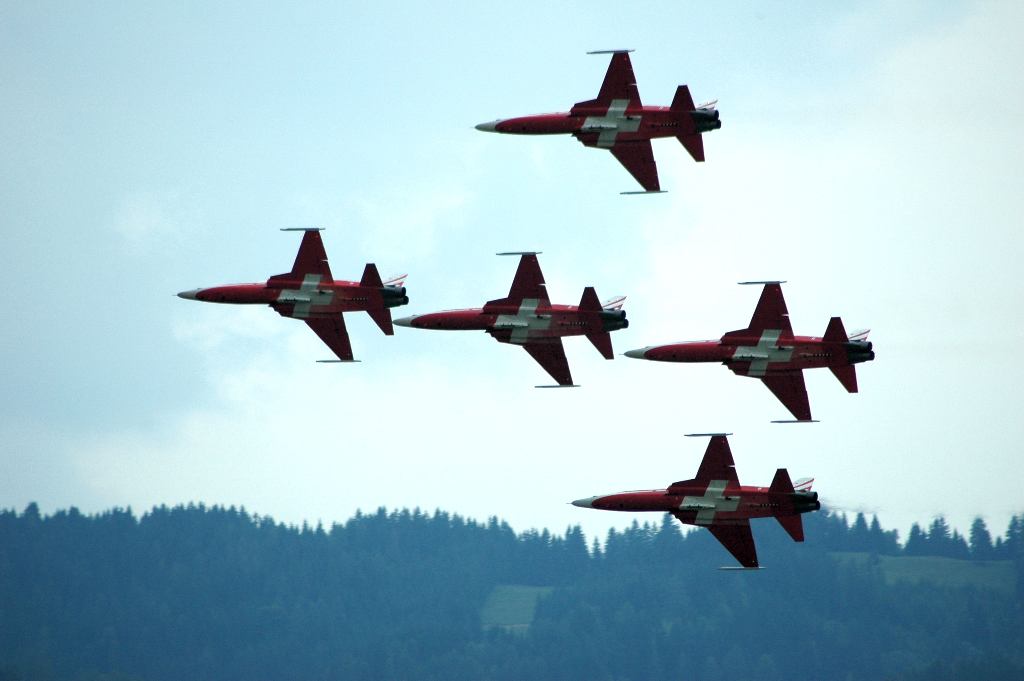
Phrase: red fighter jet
(767, 349)
(311, 294)
(527, 318)
(716, 500)
(619, 122)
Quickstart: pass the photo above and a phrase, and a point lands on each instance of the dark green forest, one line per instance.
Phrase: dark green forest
(195, 592)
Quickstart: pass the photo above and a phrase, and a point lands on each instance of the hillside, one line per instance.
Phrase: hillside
(213, 593)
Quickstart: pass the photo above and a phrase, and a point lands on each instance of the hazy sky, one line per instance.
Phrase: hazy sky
(870, 154)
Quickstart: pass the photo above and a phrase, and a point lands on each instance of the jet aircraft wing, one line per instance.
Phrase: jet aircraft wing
(527, 284)
(718, 463)
(551, 356)
(769, 315)
(332, 331)
(790, 389)
(619, 83)
(638, 158)
(311, 259)
(737, 540)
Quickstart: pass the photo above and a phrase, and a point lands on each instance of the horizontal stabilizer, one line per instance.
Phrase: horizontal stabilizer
(602, 340)
(371, 277)
(694, 144)
(860, 334)
(793, 525)
(590, 302)
(609, 51)
(847, 375)
(382, 316)
(682, 101)
(396, 281)
(835, 332)
(781, 484)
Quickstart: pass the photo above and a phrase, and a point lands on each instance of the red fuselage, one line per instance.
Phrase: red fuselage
(305, 300)
(762, 356)
(695, 504)
(521, 324)
(640, 123)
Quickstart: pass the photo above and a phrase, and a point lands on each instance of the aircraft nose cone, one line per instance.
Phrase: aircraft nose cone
(491, 126)
(585, 503)
(190, 295)
(638, 354)
(406, 321)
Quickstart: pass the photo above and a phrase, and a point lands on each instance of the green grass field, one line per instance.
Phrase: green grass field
(995, 575)
(511, 607)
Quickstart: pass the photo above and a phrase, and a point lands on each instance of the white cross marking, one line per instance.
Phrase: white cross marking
(306, 296)
(612, 123)
(524, 321)
(767, 350)
(712, 502)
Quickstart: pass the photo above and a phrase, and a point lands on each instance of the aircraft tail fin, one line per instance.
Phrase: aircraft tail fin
(793, 525)
(860, 335)
(803, 484)
(614, 303)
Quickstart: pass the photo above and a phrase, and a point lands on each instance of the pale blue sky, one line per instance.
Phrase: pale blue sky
(869, 154)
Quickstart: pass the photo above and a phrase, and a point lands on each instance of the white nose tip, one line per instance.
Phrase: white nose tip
(492, 126)
(585, 503)
(637, 354)
(405, 321)
(190, 295)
